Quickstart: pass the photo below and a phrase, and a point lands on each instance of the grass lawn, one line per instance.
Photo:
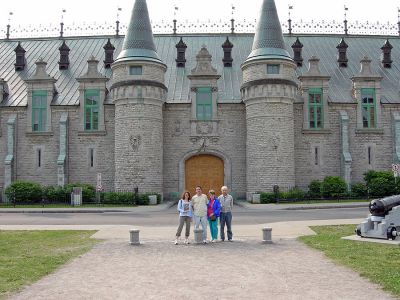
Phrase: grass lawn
(26, 256)
(379, 263)
(65, 206)
(325, 201)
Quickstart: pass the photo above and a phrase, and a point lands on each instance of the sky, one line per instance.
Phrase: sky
(89, 11)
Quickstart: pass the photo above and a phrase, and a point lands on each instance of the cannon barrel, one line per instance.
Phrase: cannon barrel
(380, 207)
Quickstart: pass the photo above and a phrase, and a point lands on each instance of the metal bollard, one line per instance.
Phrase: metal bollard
(134, 237)
(198, 236)
(267, 235)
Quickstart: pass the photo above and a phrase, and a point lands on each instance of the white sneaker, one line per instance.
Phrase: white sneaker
(187, 241)
(204, 241)
(213, 241)
(176, 242)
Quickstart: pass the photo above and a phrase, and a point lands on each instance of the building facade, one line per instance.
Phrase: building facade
(165, 113)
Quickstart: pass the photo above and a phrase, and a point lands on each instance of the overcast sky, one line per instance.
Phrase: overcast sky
(79, 11)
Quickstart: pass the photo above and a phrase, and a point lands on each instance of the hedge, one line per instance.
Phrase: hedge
(24, 192)
(333, 186)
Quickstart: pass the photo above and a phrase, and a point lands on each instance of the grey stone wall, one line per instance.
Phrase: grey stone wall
(380, 141)
(78, 169)
(328, 143)
(79, 142)
(139, 145)
(181, 142)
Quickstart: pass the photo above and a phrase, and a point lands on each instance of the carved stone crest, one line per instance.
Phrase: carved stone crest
(204, 128)
(135, 141)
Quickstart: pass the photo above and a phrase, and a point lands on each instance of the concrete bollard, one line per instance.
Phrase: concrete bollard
(267, 235)
(134, 237)
(198, 236)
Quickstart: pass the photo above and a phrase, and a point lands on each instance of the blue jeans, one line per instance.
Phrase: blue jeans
(226, 218)
(213, 228)
(203, 222)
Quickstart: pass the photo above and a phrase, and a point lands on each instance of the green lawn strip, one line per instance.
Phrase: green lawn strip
(26, 256)
(380, 263)
(324, 201)
(66, 206)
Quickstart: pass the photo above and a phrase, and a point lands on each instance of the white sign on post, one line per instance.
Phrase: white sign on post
(395, 167)
(99, 186)
(396, 174)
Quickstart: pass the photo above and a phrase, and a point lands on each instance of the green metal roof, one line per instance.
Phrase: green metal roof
(138, 43)
(82, 48)
(268, 40)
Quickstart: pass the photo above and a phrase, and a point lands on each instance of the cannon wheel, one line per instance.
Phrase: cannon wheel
(390, 231)
(358, 230)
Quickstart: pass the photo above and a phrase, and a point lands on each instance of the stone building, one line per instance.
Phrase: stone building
(165, 113)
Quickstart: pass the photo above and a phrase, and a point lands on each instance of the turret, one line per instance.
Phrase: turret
(138, 93)
(268, 91)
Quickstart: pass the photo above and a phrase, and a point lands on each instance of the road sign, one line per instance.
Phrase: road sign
(99, 185)
(395, 167)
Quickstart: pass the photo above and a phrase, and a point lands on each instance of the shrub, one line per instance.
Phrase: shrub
(359, 190)
(119, 198)
(333, 186)
(381, 186)
(314, 189)
(266, 198)
(88, 191)
(54, 194)
(294, 193)
(380, 183)
(24, 192)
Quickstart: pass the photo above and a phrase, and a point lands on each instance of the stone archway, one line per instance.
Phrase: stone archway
(205, 170)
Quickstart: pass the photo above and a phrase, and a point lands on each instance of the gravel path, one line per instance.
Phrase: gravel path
(243, 269)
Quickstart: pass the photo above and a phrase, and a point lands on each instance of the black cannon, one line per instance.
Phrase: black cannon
(384, 220)
(381, 207)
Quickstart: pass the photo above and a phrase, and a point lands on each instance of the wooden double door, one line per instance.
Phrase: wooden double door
(204, 170)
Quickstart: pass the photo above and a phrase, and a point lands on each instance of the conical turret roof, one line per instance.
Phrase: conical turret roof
(138, 43)
(268, 40)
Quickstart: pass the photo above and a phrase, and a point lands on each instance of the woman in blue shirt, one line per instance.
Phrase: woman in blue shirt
(185, 216)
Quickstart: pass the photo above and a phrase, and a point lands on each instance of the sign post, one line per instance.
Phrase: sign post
(99, 187)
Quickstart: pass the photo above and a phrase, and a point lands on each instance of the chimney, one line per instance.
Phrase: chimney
(108, 54)
(387, 55)
(227, 47)
(64, 56)
(180, 59)
(342, 56)
(297, 48)
(20, 60)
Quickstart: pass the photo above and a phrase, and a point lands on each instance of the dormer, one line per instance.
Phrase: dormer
(180, 54)
(297, 56)
(387, 55)
(204, 89)
(41, 92)
(367, 93)
(64, 56)
(92, 94)
(108, 54)
(227, 47)
(20, 60)
(342, 53)
(314, 89)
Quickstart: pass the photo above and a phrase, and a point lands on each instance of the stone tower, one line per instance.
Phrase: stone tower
(139, 93)
(268, 91)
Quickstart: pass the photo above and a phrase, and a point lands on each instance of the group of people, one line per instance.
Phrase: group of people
(205, 210)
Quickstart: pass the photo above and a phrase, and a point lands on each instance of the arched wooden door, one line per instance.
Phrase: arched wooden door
(204, 170)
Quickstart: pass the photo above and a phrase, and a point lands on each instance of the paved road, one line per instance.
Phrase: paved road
(168, 217)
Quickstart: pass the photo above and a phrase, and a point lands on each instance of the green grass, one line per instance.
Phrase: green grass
(26, 256)
(380, 263)
(325, 201)
(65, 206)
